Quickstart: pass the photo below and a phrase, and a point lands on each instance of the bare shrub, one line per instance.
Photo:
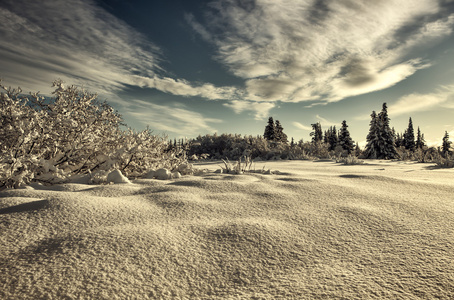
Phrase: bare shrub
(349, 160)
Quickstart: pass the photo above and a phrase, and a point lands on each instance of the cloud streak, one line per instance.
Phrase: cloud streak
(260, 109)
(82, 43)
(171, 118)
(72, 39)
(294, 51)
(444, 97)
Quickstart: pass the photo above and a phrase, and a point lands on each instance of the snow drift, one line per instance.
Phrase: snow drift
(315, 230)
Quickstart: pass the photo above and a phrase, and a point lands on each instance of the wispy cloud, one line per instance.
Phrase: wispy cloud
(444, 97)
(190, 19)
(74, 39)
(297, 51)
(260, 109)
(83, 44)
(171, 118)
(325, 122)
(301, 126)
(182, 87)
(80, 42)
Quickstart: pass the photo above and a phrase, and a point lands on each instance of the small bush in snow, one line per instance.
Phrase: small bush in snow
(442, 162)
(349, 160)
(238, 167)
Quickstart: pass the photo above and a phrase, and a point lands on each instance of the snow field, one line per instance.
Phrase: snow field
(316, 230)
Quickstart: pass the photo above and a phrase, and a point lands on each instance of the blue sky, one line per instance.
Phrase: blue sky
(195, 67)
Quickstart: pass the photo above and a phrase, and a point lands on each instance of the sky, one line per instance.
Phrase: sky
(187, 67)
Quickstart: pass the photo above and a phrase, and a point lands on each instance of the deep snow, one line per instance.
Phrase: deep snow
(315, 230)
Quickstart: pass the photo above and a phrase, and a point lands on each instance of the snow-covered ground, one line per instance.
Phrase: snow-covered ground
(315, 230)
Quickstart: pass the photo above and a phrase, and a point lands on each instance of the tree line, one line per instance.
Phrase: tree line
(382, 142)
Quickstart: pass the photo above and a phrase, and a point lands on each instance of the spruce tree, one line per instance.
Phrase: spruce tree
(409, 137)
(279, 134)
(371, 150)
(317, 134)
(332, 138)
(326, 137)
(270, 131)
(399, 140)
(344, 138)
(420, 142)
(446, 144)
(387, 148)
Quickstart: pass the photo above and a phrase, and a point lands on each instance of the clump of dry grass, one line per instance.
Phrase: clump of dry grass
(349, 160)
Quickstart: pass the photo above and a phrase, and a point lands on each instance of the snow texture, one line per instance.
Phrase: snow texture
(314, 230)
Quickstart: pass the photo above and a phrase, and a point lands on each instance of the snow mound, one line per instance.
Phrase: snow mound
(150, 174)
(162, 174)
(117, 177)
(185, 169)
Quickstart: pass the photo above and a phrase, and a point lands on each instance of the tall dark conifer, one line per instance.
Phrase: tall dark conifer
(270, 131)
(280, 136)
(420, 142)
(332, 138)
(380, 140)
(344, 138)
(371, 150)
(446, 145)
(387, 148)
(317, 133)
(409, 137)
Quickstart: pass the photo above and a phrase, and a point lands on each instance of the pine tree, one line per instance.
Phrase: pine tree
(387, 148)
(420, 142)
(344, 138)
(371, 150)
(292, 143)
(317, 134)
(446, 144)
(332, 138)
(399, 140)
(409, 137)
(380, 140)
(357, 149)
(270, 134)
(280, 136)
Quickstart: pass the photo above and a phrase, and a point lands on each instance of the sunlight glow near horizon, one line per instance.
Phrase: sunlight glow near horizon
(187, 68)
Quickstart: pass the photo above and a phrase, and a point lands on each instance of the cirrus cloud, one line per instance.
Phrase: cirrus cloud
(294, 51)
(443, 97)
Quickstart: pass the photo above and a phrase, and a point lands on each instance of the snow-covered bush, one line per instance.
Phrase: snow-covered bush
(50, 140)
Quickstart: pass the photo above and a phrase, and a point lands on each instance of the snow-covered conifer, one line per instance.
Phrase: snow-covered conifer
(386, 147)
(333, 138)
(372, 147)
(446, 145)
(270, 130)
(409, 137)
(420, 141)
(280, 136)
(345, 141)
